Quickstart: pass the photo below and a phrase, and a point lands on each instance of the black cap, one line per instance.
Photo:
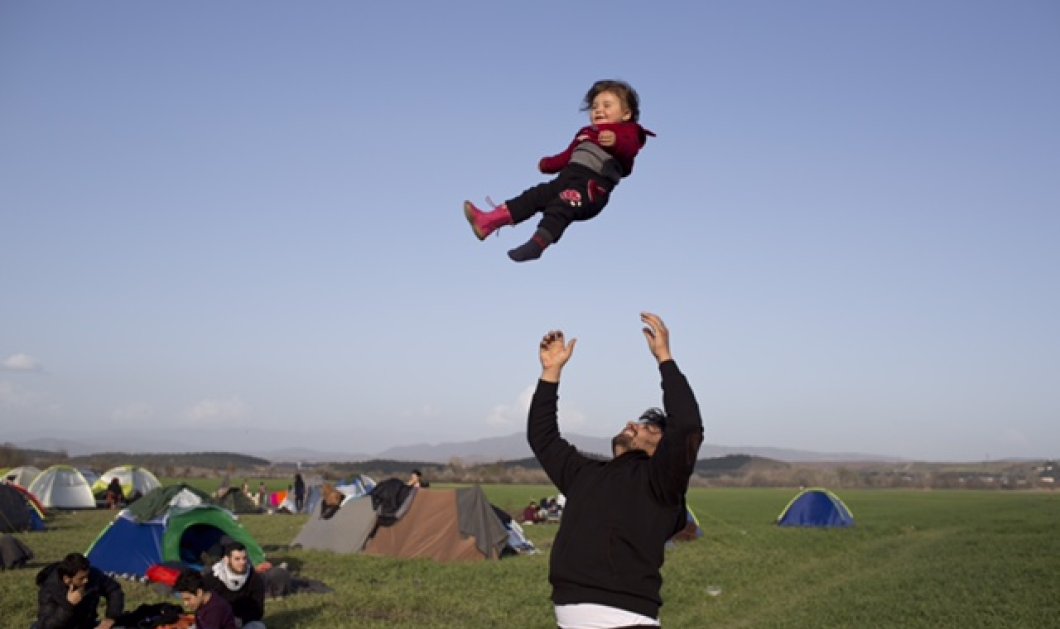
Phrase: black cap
(655, 416)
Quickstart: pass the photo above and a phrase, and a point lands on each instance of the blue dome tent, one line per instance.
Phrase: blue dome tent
(816, 507)
(169, 525)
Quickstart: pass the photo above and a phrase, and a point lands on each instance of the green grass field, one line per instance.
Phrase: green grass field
(915, 559)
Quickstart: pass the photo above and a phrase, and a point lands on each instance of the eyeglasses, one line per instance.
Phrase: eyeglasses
(651, 427)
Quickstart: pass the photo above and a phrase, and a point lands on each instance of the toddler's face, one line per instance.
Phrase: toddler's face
(607, 107)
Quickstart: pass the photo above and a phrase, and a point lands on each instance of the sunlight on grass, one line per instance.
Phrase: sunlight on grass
(914, 559)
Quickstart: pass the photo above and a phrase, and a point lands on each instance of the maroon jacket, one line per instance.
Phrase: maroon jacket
(629, 137)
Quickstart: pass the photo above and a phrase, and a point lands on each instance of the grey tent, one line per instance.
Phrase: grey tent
(344, 532)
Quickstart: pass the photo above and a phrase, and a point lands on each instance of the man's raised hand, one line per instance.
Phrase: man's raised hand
(657, 335)
(554, 352)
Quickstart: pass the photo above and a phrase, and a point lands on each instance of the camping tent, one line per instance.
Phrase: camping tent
(90, 476)
(33, 501)
(692, 530)
(17, 510)
(13, 553)
(133, 479)
(816, 507)
(169, 525)
(441, 524)
(236, 501)
(62, 487)
(344, 532)
(22, 476)
(444, 525)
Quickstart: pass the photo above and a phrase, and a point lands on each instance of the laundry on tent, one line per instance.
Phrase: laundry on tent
(236, 501)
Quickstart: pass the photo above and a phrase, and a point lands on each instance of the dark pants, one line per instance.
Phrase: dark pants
(576, 194)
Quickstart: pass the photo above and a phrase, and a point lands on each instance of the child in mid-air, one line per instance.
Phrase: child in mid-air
(598, 158)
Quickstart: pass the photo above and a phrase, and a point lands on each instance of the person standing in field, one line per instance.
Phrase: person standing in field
(605, 562)
(299, 493)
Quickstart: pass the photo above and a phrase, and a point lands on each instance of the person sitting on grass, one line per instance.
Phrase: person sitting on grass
(69, 595)
(234, 579)
(530, 513)
(211, 611)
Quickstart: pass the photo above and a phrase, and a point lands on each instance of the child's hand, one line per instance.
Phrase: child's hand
(606, 138)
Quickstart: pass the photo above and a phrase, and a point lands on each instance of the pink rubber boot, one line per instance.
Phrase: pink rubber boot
(485, 223)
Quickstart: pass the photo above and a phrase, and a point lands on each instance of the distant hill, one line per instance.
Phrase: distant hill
(308, 455)
(505, 448)
(514, 447)
(156, 462)
(735, 465)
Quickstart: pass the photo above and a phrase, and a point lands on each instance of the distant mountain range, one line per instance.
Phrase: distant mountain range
(515, 447)
(491, 449)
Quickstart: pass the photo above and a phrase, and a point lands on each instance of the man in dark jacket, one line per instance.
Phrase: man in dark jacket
(69, 595)
(235, 580)
(605, 561)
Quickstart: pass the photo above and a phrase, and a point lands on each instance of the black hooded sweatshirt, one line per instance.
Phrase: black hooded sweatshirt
(619, 513)
(55, 612)
(248, 602)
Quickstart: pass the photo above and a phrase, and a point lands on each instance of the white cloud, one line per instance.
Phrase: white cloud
(513, 415)
(20, 362)
(226, 412)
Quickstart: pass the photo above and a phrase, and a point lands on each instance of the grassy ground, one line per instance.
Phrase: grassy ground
(915, 559)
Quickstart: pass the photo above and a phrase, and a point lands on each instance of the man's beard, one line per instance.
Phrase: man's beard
(623, 441)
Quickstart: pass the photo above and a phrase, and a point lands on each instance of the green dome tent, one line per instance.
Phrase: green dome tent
(169, 525)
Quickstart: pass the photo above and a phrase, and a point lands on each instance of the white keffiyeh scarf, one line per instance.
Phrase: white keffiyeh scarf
(231, 580)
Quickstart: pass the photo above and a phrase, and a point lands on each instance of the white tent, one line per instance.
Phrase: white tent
(90, 476)
(62, 487)
(21, 476)
(133, 478)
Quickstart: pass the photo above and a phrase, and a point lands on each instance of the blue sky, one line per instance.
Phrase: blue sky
(246, 215)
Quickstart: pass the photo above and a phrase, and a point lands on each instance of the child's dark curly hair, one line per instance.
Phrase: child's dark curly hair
(619, 88)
